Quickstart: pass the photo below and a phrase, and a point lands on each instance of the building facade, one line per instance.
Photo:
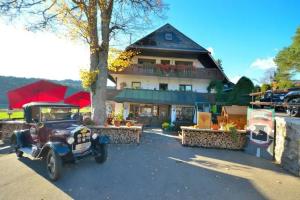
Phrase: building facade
(168, 77)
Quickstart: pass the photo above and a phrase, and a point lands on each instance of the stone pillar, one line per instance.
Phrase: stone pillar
(287, 149)
(173, 113)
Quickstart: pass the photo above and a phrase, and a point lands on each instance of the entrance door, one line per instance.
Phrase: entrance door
(164, 112)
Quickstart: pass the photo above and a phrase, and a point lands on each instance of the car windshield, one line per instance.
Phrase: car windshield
(59, 113)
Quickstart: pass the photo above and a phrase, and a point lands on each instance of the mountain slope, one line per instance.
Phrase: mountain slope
(9, 82)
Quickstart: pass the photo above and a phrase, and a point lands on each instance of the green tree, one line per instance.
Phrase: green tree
(288, 62)
(264, 87)
(240, 93)
(95, 21)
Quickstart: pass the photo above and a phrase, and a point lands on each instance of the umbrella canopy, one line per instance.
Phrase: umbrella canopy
(36, 92)
(81, 99)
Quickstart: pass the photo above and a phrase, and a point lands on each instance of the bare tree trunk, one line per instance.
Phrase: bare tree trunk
(99, 96)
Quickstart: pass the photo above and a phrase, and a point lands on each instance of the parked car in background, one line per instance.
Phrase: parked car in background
(270, 96)
(277, 98)
(56, 135)
(292, 100)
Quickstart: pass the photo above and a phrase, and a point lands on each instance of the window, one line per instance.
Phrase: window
(184, 113)
(143, 110)
(185, 87)
(185, 63)
(146, 61)
(136, 85)
(165, 62)
(163, 86)
(146, 111)
(168, 36)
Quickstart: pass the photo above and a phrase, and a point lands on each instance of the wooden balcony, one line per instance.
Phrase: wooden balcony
(179, 71)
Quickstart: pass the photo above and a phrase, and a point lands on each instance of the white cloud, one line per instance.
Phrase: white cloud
(235, 79)
(263, 63)
(40, 55)
(211, 50)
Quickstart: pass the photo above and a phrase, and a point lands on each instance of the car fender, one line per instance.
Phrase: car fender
(60, 148)
(18, 137)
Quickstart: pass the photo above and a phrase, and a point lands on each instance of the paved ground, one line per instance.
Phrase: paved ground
(158, 168)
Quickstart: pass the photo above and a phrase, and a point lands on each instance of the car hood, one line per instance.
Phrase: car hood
(64, 128)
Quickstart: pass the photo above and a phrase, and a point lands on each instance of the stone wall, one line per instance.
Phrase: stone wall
(8, 127)
(212, 138)
(120, 135)
(287, 148)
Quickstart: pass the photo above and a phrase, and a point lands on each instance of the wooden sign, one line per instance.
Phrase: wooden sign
(204, 120)
(261, 125)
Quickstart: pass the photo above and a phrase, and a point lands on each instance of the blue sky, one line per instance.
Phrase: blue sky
(239, 31)
(244, 34)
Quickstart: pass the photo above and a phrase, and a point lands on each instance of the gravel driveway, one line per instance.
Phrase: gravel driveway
(158, 168)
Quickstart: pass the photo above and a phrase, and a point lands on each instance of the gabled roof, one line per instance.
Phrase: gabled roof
(157, 40)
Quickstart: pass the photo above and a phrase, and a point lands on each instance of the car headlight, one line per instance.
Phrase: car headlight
(94, 136)
(70, 140)
(32, 130)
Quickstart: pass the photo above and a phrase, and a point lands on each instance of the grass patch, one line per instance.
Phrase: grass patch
(15, 114)
(18, 114)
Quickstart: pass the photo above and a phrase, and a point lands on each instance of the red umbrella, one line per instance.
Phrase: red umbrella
(81, 99)
(38, 91)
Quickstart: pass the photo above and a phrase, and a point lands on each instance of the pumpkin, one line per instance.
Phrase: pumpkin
(215, 126)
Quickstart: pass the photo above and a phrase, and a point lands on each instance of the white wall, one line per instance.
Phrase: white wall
(152, 82)
(196, 62)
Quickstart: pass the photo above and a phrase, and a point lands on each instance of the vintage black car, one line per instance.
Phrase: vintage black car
(55, 134)
(270, 96)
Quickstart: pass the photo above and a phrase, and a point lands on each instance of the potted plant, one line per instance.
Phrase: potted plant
(110, 118)
(165, 126)
(130, 116)
(215, 126)
(117, 119)
(128, 124)
(231, 128)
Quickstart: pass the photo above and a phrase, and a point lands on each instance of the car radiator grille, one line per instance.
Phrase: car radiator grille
(82, 142)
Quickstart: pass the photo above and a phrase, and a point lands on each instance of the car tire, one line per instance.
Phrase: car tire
(293, 111)
(53, 165)
(101, 153)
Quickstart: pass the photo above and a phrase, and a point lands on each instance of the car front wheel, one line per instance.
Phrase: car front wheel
(54, 165)
(294, 111)
(101, 151)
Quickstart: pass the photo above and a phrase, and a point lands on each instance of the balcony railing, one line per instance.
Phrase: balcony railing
(182, 71)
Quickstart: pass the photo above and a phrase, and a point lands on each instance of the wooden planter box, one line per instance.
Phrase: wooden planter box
(212, 138)
(120, 135)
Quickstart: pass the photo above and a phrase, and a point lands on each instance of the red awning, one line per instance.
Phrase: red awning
(40, 91)
(81, 99)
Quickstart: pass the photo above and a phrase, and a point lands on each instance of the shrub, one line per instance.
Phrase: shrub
(165, 125)
(118, 117)
(231, 127)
